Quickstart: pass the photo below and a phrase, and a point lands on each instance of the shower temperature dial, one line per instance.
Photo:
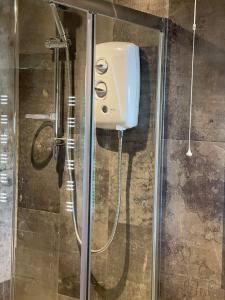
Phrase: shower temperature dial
(101, 66)
(101, 89)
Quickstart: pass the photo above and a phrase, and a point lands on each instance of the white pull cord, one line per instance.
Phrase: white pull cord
(189, 152)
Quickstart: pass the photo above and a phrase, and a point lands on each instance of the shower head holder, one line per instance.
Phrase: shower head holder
(56, 43)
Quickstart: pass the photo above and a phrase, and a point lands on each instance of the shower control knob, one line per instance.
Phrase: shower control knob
(101, 89)
(101, 66)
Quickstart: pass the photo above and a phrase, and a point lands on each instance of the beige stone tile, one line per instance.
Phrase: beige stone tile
(63, 297)
(160, 8)
(27, 288)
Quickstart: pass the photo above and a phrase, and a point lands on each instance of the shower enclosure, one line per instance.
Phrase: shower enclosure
(68, 187)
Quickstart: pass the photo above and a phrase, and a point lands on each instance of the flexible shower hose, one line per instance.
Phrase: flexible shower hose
(71, 173)
(70, 149)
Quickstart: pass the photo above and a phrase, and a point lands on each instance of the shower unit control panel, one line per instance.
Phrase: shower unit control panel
(117, 85)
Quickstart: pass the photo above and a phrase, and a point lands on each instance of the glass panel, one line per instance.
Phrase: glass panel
(7, 142)
(122, 270)
(48, 252)
(192, 237)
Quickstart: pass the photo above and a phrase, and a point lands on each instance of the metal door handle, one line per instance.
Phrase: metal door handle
(46, 117)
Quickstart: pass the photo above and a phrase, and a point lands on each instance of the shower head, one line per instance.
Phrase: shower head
(58, 22)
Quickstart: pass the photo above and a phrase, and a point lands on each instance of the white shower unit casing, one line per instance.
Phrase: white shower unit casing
(117, 85)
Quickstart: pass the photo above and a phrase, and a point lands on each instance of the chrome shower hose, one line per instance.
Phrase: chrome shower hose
(71, 173)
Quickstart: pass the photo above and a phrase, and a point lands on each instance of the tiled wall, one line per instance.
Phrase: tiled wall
(5, 290)
(192, 251)
(155, 7)
(192, 254)
(7, 142)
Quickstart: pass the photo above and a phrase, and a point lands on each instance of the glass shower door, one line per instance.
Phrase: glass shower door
(51, 154)
(7, 142)
(123, 244)
(84, 210)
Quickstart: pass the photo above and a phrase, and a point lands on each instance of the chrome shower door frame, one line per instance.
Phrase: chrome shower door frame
(158, 162)
(88, 161)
